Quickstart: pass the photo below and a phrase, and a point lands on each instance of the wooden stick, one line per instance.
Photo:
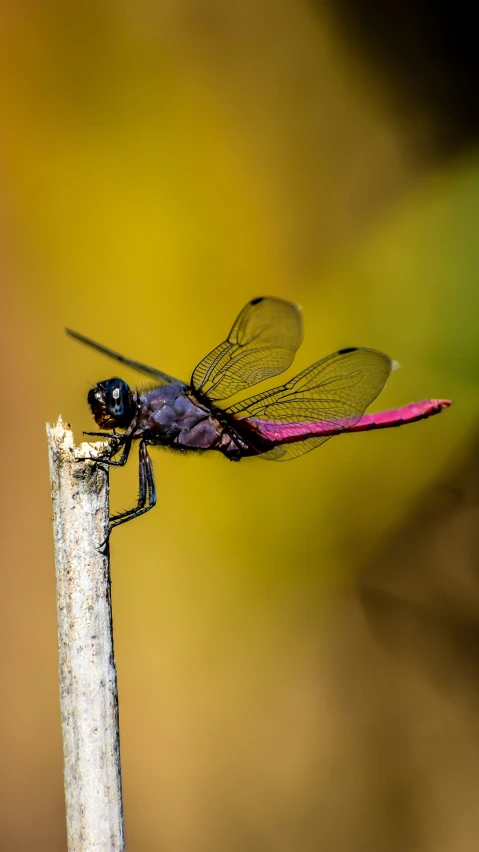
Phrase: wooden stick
(88, 685)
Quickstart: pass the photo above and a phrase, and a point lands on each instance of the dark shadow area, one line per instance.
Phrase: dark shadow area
(425, 53)
(420, 594)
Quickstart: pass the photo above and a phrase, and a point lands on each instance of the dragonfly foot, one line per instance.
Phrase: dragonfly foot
(104, 549)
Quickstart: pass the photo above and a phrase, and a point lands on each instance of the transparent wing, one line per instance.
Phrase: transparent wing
(161, 378)
(287, 452)
(336, 391)
(261, 344)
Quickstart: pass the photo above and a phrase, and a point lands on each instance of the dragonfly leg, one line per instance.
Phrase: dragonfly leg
(142, 491)
(105, 435)
(123, 458)
(147, 487)
(104, 463)
(123, 517)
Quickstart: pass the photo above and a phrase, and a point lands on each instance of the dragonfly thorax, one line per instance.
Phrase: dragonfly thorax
(169, 415)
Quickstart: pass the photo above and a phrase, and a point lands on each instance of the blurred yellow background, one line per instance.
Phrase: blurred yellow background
(160, 165)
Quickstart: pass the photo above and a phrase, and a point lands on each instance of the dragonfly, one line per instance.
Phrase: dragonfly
(282, 423)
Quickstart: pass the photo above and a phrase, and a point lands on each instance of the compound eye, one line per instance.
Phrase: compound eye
(117, 398)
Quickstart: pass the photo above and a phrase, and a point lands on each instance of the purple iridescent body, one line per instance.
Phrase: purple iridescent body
(329, 398)
(171, 416)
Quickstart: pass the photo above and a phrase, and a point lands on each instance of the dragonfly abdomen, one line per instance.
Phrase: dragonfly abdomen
(276, 432)
(399, 416)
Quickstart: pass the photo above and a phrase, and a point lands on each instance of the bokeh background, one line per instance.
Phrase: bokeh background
(297, 645)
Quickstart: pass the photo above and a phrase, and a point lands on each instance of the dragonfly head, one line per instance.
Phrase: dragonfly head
(112, 404)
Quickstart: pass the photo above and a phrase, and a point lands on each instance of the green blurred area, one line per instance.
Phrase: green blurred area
(160, 165)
